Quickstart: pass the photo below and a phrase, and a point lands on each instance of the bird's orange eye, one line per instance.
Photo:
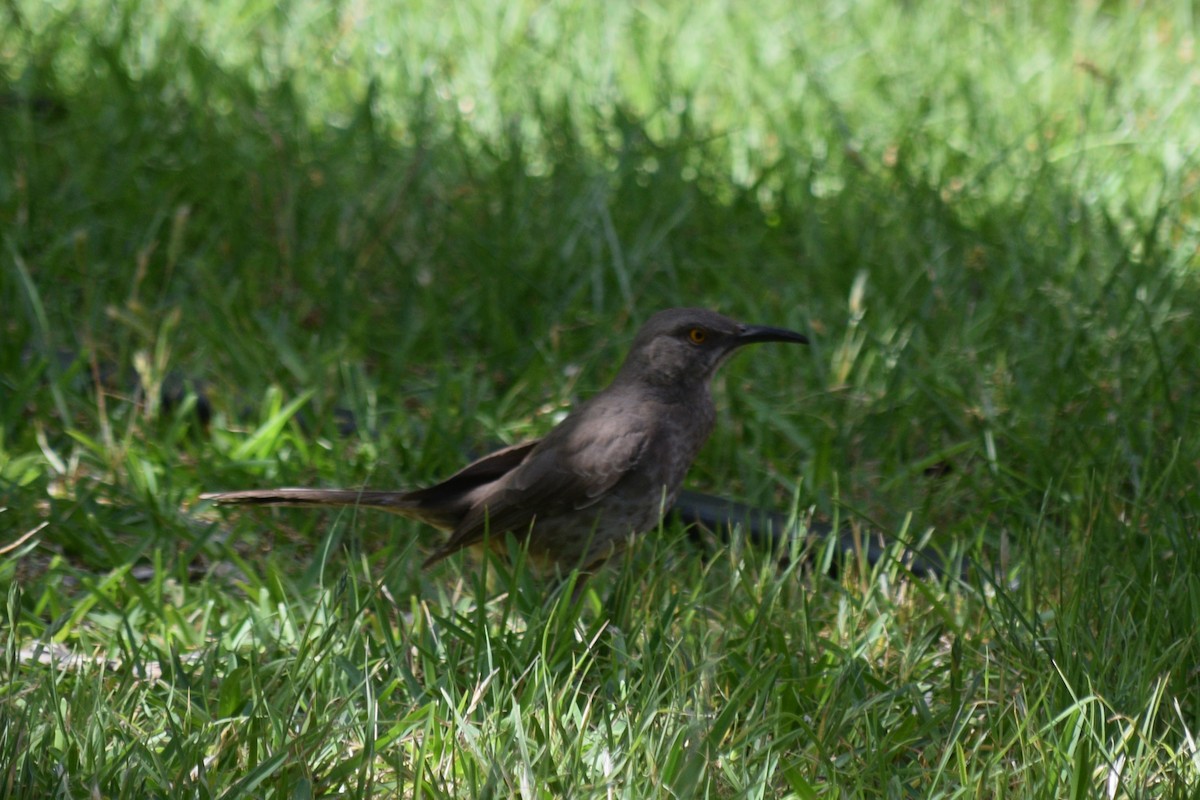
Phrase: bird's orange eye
(697, 335)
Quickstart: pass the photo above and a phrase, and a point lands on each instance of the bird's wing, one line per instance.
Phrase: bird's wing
(572, 468)
(490, 468)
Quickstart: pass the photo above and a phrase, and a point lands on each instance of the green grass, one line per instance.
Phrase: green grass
(446, 227)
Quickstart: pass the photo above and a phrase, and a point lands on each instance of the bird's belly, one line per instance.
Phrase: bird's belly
(585, 537)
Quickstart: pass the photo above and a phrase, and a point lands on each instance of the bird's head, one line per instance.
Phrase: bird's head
(682, 347)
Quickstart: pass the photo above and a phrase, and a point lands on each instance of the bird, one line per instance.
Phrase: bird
(604, 475)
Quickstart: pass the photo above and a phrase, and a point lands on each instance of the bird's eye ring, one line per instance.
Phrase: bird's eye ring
(697, 335)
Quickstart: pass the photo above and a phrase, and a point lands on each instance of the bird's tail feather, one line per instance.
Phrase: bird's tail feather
(389, 501)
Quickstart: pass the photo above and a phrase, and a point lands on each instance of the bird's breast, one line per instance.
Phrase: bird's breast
(680, 432)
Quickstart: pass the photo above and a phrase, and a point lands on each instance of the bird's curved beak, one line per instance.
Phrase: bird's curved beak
(749, 334)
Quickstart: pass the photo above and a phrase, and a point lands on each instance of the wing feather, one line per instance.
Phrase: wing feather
(574, 467)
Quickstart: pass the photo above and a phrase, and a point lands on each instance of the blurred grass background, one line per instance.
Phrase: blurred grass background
(371, 240)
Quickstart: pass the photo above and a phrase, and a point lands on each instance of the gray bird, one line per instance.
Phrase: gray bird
(606, 473)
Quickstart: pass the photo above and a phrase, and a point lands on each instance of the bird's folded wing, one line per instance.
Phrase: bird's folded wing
(570, 471)
(485, 470)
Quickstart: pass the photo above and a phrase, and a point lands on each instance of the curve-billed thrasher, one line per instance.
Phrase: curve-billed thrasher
(607, 472)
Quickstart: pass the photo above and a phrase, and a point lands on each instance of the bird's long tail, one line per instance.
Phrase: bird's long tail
(398, 502)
